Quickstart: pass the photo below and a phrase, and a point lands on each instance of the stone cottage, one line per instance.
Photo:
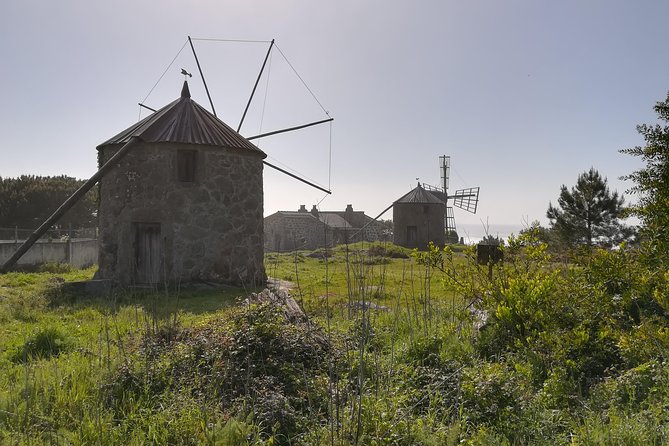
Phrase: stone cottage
(303, 229)
(184, 204)
(418, 218)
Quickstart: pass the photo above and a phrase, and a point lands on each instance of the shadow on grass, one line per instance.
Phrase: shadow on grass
(159, 303)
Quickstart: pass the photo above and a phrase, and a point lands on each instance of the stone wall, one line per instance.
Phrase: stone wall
(373, 232)
(287, 232)
(210, 229)
(427, 218)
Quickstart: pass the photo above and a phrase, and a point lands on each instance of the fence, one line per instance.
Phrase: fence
(79, 253)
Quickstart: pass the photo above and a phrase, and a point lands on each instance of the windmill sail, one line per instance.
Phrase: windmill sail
(466, 199)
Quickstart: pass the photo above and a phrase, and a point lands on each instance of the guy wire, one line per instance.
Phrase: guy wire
(302, 80)
(161, 77)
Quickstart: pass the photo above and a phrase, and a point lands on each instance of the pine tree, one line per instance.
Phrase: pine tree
(588, 212)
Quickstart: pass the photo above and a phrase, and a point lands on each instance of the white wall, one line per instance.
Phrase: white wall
(80, 253)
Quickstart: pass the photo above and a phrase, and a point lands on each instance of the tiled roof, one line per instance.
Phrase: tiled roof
(185, 121)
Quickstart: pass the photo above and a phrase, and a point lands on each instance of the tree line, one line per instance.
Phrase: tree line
(28, 200)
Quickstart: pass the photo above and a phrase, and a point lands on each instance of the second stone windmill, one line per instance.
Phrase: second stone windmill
(425, 214)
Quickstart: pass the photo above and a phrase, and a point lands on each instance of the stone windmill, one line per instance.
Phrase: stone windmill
(181, 198)
(466, 199)
(425, 214)
(186, 203)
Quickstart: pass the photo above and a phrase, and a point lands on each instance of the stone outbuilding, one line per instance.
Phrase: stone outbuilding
(303, 229)
(418, 218)
(184, 204)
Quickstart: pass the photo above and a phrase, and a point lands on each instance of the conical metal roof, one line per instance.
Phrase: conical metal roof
(419, 195)
(185, 121)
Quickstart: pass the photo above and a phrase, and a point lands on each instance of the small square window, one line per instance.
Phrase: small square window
(186, 165)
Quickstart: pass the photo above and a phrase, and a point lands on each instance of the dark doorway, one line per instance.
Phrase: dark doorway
(148, 253)
(412, 236)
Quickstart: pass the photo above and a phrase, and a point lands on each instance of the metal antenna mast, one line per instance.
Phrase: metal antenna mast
(465, 199)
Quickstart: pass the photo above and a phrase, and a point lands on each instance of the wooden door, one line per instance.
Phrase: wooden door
(412, 236)
(148, 253)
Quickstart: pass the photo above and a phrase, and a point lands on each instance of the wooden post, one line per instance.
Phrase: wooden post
(489, 255)
(68, 251)
(255, 85)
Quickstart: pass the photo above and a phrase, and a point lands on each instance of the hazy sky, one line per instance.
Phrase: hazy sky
(522, 94)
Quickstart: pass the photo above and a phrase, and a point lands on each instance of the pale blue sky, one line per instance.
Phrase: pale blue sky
(522, 94)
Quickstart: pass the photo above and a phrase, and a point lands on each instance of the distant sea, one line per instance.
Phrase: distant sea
(474, 233)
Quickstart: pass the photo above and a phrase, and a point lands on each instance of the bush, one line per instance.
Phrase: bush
(254, 361)
(46, 342)
(492, 394)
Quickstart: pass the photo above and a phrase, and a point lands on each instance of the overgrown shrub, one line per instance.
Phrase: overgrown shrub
(255, 361)
(388, 250)
(493, 394)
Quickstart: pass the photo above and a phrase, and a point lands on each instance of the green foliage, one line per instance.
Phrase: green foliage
(622, 428)
(388, 250)
(588, 212)
(493, 395)
(252, 361)
(560, 319)
(28, 200)
(490, 239)
(651, 184)
(559, 337)
(533, 351)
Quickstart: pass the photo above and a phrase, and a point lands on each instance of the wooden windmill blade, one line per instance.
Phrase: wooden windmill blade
(466, 199)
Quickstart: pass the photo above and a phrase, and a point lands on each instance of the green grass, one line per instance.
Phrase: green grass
(391, 355)
(57, 348)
